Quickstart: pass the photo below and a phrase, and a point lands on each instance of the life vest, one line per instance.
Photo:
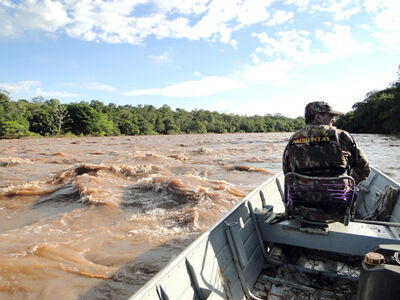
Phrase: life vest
(316, 151)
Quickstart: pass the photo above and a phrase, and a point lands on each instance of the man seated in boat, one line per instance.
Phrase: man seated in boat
(322, 150)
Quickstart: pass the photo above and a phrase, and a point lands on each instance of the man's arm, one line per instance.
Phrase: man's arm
(285, 161)
(361, 168)
(358, 161)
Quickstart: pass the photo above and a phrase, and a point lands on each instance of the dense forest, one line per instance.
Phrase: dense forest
(378, 113)
(41, 117)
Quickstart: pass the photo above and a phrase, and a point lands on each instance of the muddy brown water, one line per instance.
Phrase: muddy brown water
(95, 218)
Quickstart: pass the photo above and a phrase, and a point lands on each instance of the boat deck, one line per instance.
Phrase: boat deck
(295, 273)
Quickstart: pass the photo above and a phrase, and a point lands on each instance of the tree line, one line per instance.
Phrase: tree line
(40, 117)
(379, 112)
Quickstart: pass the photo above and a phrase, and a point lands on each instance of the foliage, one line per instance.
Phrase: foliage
(378, 113)
(51, 118)
(12, 130)
(85, 120)
(13, 121)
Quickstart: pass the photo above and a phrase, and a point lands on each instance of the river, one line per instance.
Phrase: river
(96, 217)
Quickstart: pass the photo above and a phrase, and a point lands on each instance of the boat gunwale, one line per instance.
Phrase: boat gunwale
(385, 176)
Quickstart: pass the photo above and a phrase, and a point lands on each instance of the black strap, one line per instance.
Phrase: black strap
(323, 171)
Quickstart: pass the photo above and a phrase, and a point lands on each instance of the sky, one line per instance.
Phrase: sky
(245, 57)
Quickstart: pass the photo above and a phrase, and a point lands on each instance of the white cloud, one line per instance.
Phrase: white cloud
(294, 46)
(221, 19)
(389, 40)
(43, 15)
(276, 72)
(132, 21)
(99, 87)
(20, 86)
(252, 12)
(388, 19)
(279, 58)
(53, 94)
(184, 6)
(299, 3)
(125, 21)
(197, 73)
(234, 44)
(160, 58)
(92, 86)
(26, 89)
(255, 58)
(340, 42)
(373, 5)
(300, 47)
(364, 26)
(341, 9)
(7, 28)
(280, 17)
(198, 88)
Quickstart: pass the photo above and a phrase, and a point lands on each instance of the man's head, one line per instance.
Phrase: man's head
(320, 112)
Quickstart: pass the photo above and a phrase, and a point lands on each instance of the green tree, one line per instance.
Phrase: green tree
(12, 130)
(83, 119)
(197, 126)
(377, 113)
(145, 127)
(127, 127)
(127, 120)
(59, 113)
(170, 126)
(13, 123)
(159, 125)
(47, 117)
(259, 124)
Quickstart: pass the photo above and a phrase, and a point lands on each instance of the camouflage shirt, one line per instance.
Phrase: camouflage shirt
(323, 150)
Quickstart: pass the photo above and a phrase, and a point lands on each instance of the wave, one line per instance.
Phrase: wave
(189, 185)
(203, 150)
(250, 169)
(185, 201)
(13, 161)
(48, 261)
(69, 259)
(33, 188)
(181, 157)
(87, 179)
(94, 169)
(61, 197)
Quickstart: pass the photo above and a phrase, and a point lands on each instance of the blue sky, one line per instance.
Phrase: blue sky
(234, 56)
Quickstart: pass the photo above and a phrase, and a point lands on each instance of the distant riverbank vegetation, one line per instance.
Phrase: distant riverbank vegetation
(378, 113)
(41, 117)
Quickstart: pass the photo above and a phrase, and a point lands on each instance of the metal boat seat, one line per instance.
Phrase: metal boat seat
(319, 200)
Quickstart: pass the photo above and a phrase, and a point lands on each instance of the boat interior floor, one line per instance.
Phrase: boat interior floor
(299, 273)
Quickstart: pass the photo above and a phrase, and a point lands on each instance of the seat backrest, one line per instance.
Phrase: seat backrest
(319, 199)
